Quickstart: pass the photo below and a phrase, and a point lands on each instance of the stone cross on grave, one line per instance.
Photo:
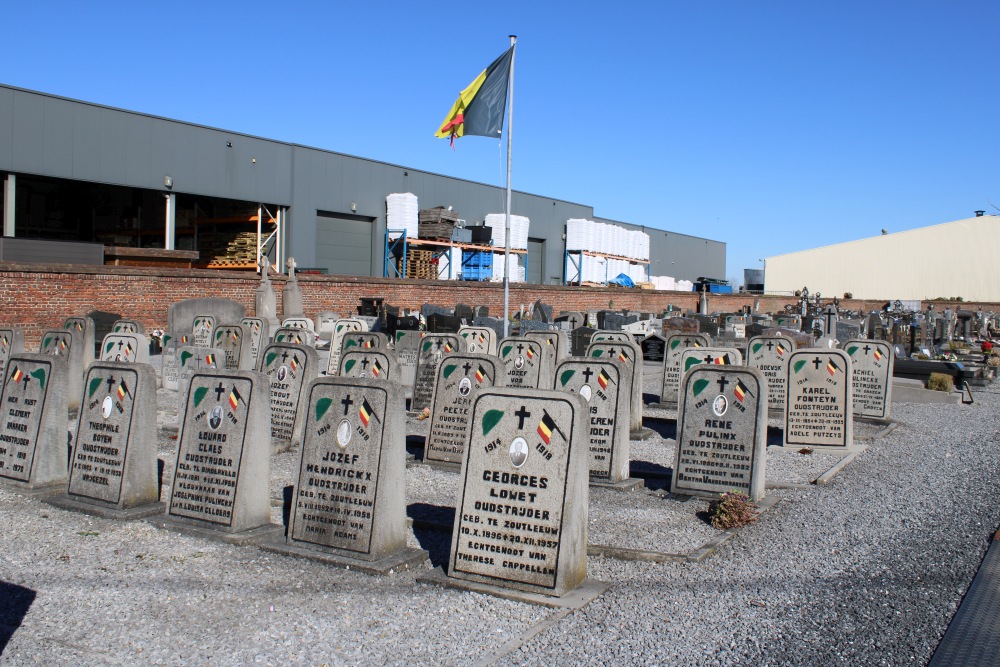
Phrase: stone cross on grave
(770, 345)
(219, 391)
(816, 362)
(291, 268)
(111, 382)
(867, 348)
(521, 415)
(467, 367)
(722, 383)
(709, 358)
(364, 362)
(284, 356)
(586, 375)
(265, 265)
(347, 403)
(520, 348)
(438, 344)
(27, 379)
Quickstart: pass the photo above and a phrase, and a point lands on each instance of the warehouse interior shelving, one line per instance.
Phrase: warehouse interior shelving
(573, 266)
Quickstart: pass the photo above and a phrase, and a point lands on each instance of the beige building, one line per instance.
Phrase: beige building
(960, 258)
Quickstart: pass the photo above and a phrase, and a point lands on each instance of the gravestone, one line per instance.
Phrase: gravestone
(299, 323)
(789, 321)
(234, 341)
(202, 329)
(260, 334)
(222, 473)
(847, 329)
(523, 363)
(113, 465)
(363, 340)
(871, 377)
(769, 355)
(685, 325)
(83, 331)
(721, 433)
(613, 336)
(740, 344)
(433, 348)
(407, 348)
(33, 430)
(349, 507)
(429, 309)
(61, 343)
(11, 343)
(801, 339)
(574, 318)
(128, 327)
(602, 384)
(676, 343)
(653, 347)
(326, 322)
(463, 312)
(629, 355)
(818, 410)
(615, 321)
(265, 299)
(289, 369)
(181, 314)
(440, 323)
(707, 324)
(556, 340)
(374, 364)
(460, 378)
(190, 360)
(337, 341)
(291, 294)
(541, 312)
(131, 348)
(479, 340)
(294, 336)
(521, 519)
(491, 322)
(171, 371)
(579, 340)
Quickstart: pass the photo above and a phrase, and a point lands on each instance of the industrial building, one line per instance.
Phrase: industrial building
(82, 172)
(953, 259)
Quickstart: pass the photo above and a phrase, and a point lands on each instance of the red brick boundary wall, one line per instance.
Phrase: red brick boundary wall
(37, 297)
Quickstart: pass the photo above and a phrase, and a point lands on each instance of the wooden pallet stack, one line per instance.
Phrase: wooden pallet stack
(436, 224)
(222, 249)
(420, 264)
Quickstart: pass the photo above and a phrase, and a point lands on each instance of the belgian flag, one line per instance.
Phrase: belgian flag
(781, 349)
(480, 373)
(741, 390)
(531, 355)
(366, 412)
(480, 108)
(123, 390)
(376, 368)
(602, 379)
(17, 375)
(210, 359)
(832, 368)
(234, 398)
(877, 355)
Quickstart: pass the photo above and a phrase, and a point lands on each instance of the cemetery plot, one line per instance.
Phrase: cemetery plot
(33, 431)
(234, 341)
(131, 348)
(676, 344)
(288, 369)
(629, 355)
(62, 344)
(375, 364)
(11, 342)
(260, 334)
(433, 348)
(523, 362)
(201, 330)
(337, 341)
(460, 378)
(871, 377)
(769, 355)
(479, 340)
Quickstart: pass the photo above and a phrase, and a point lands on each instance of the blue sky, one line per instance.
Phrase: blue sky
(772, 126)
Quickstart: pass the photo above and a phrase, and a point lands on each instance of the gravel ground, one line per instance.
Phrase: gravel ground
(867, 570)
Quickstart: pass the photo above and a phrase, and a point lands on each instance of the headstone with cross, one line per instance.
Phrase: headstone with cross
(221, 475)
(629, 355)
(113, 464)
(170, 371)
(523, 363)
(181, 314)
(190, 360)
(266, 301)
(379, 365)
(294, 336)
(653, 347)
(573, 318)
(721, 432)
(675, 344)
(363, 340)
(128, 327)
(460, 378)
(291, 294)
(555, 344)
(819, 402)
(687, 325)
(33, 430)
(349, 506)
(790, 321)
(769, 355)
(479, 340)
(708, 356)
(11, 342)
(84, 337)
(872, 364)
(202, 329)
(234, 341)
(340, 329)
(406, 345)
(524, 483)
(289, 369)
(260, 334)
(62, 344)
(131, 348)
(299, 323)
(613, 336)
(602, 384)
(433, 349)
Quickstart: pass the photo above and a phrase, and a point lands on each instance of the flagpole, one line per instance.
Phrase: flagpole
(506, 251)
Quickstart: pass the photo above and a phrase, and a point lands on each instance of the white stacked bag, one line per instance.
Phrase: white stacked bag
(518, 231)
(598, 237)
(516, 270)
(401, 212)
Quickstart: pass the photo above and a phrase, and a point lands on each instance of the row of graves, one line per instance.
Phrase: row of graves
(524, 427)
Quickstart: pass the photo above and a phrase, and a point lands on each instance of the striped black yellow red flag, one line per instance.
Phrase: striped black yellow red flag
(545, 427)
(480, 108)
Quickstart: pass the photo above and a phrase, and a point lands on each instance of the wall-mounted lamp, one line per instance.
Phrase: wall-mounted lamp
(229, 144)
(354, 207)
(406, 173)
(168, 182)
(253, 160)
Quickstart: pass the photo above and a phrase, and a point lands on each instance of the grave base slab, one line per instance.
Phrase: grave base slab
(641, 434)
(625, 485)
(446, 466)
(34, 491)
(577, 598)
(252, 536)
(84, 506)
(403, 559)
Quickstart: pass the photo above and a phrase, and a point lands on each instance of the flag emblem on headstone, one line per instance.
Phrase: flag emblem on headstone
(295, 363)
(531, 355)
(781, 349)
(602, 379)
(210, 359)
(480, 373)
(546, 426)
(447, 347)
(376, 368)
(741, 390)
(877, 355)
(721, 361)
(122, 390)
(831, 367)
(366, 412)
(234, 398)
(17, 375)
(622, 357)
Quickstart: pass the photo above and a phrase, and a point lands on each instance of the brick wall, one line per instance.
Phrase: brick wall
(38, 297)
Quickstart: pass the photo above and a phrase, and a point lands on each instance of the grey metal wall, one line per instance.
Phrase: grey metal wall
(45, 135)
